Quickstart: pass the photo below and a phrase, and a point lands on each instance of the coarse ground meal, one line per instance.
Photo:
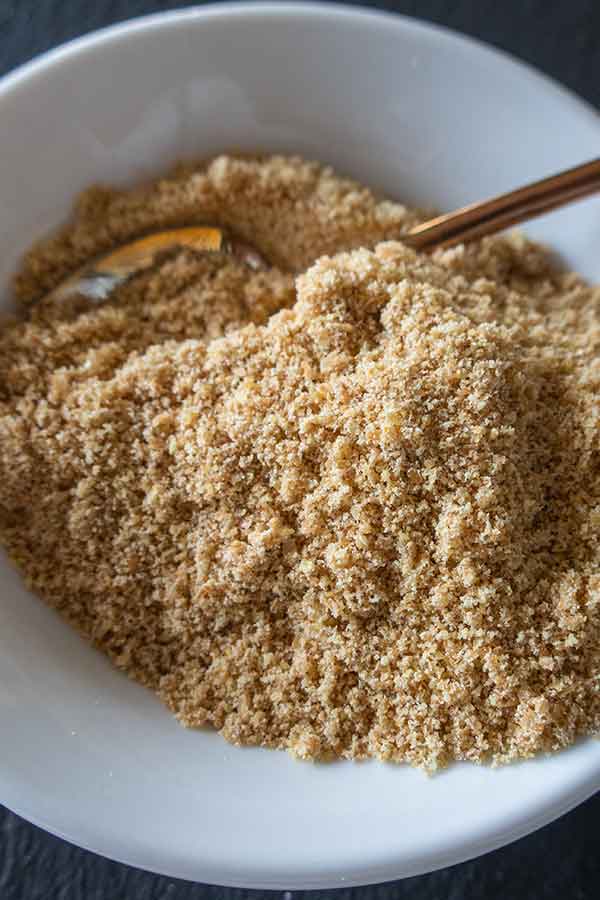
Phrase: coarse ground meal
(353, 513)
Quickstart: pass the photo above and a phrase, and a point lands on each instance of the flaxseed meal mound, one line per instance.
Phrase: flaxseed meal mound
(365, 526)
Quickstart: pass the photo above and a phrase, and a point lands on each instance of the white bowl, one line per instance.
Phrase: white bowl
(419, 112)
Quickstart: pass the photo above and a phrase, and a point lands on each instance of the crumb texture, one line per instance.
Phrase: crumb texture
(349, 512)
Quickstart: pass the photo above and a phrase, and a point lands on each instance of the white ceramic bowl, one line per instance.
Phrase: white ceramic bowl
(419, 112)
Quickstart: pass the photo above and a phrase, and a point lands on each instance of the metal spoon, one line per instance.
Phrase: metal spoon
(98, 279)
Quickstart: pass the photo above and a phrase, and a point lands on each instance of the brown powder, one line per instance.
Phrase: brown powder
(366, 526)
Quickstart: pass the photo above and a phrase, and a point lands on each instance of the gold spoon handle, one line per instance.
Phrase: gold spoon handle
(489, 216)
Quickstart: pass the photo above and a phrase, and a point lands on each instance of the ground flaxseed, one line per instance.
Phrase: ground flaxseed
(365, 526)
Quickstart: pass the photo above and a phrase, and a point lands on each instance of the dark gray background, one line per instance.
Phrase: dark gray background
(561, 37)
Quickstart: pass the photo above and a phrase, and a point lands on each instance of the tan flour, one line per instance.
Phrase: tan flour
(365, 526)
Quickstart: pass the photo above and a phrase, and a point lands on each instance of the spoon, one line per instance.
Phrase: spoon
(98, 279)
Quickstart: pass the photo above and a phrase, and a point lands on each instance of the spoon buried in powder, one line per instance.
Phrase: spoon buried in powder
(98, 279)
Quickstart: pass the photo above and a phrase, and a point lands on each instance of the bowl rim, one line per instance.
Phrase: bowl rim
(256, 8)
(19, 77)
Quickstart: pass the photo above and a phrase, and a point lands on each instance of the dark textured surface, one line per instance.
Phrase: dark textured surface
(560, 862)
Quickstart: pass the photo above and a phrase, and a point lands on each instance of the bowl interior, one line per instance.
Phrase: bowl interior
(422, 115)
